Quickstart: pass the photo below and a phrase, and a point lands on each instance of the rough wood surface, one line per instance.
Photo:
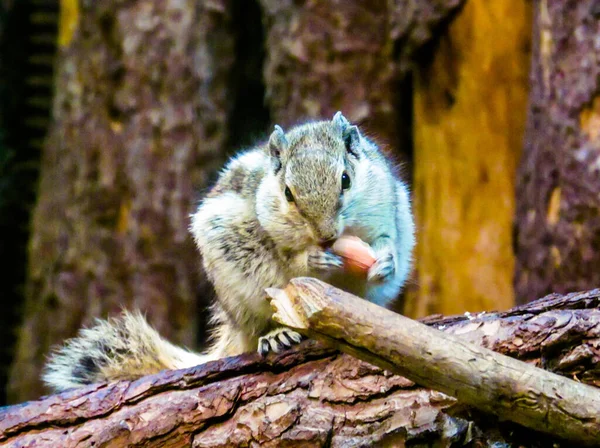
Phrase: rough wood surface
(558, 206)
(491, 382)
(140, 117)
(345, 55)
(470, 103)
(315, 396)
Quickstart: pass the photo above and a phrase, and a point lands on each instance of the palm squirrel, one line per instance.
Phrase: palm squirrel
(267, 220)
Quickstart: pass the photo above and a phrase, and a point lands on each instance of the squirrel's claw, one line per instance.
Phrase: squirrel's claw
(382, 269)
(278, 340)
(322, 260)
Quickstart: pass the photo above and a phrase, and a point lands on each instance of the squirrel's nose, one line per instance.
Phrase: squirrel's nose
(327, 232)
(328, 237)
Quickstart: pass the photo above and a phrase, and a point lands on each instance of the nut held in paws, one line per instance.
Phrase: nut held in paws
(358, 255)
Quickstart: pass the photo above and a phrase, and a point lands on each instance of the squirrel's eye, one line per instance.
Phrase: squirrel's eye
(288, 195)
(345, 181)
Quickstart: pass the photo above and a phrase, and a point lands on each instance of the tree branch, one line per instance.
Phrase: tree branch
(491, 382)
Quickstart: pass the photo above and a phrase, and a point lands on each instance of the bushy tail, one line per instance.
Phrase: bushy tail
(122, 348)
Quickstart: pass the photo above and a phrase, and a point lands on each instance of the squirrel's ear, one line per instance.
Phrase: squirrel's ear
(277, 145)
(340, 121)
(349, 133)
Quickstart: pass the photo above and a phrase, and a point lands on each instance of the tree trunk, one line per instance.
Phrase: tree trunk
(558, 206)
(314, 396)
(346, 55)
(140, 119)
(469, 111)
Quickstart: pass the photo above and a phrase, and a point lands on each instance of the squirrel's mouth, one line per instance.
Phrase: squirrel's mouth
(327, 244)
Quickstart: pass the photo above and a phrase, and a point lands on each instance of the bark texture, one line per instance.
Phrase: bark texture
(345, 55)
(558, 206)
(476, 376)
(140, 117)
(470, 103)
(315, 396)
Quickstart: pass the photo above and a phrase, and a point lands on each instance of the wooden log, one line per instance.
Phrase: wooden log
(314, 396)
(491, 382)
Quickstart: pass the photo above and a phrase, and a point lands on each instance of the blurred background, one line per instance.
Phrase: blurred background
(115, 116)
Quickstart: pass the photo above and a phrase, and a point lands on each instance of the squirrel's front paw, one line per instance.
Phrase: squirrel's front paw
(322, 260)
(279, 339)
(382, 269)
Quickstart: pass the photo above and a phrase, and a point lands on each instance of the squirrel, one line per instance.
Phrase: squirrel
(270, 217)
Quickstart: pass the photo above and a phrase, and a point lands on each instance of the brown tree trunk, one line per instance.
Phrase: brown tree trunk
(315, 396)
(348, 55)
(469, 112)
(140, 118)
(558, 194)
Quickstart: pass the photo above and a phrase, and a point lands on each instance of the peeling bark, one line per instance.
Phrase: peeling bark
(558, 191)
(315, 396)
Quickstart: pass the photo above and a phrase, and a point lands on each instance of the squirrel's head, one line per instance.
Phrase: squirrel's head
(312, 177)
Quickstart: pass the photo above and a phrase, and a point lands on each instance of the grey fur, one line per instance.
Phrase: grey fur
(340, 121)
(283, 240)
(350, 133)
(278, 144)
(122, 348)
